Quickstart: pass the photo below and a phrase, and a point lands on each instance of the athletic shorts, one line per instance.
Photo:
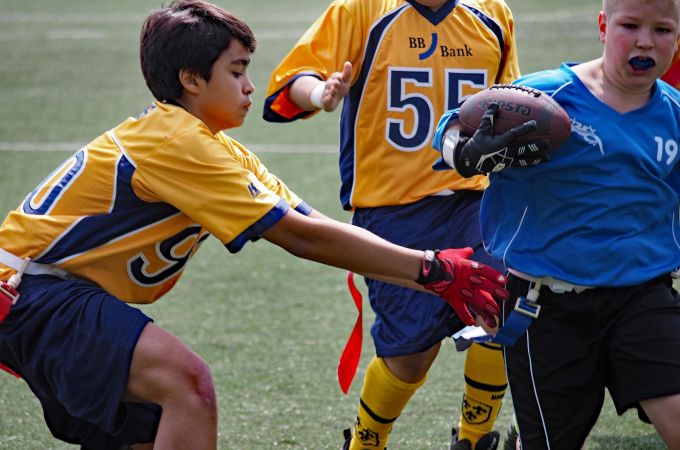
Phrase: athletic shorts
(409, 321)
(72, 343)
(625, 340)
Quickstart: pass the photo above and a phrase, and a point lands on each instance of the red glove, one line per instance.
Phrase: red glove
(468, 286)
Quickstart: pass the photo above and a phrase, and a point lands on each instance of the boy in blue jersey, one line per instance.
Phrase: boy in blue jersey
(118, 221)
(592, 235)
(396, 65)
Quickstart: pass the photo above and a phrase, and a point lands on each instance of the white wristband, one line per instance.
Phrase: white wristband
(451, 139)
(315, 95)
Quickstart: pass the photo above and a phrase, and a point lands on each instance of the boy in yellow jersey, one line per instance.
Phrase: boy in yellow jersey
(398, 64)
(118, 221)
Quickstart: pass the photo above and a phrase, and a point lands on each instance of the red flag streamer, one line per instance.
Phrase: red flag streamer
(349, 360)
(9, 371)
(672, 76)
(8, 296)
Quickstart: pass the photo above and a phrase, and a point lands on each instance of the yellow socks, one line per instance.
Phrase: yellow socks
(485, 385)
(383, 397)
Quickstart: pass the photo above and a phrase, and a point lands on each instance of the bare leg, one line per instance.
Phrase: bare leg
(412, 368)
(664, 412)
(167, 372)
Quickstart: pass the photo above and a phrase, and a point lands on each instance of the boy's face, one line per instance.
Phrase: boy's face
(224, 101)
(640, 38)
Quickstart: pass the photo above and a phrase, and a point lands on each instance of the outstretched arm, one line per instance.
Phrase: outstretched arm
(310, 93)
(400, 281)
(466, 285)
(343, 245)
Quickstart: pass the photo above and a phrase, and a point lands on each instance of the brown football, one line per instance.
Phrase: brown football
(516, 105)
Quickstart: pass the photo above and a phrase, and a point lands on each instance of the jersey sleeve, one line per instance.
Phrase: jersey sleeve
(199, 175)
(547, 81)
(251, 162)
(674, 176)
(509, 68)
(335, 37)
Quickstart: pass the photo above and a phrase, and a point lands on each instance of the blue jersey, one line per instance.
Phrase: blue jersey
(604, 210)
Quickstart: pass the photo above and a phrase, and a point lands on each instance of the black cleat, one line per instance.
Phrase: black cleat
(348, 438)
(511, 436)
(487, 442)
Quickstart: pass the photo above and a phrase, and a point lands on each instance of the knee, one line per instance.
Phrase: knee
(412, 368)
(167, 372)
(195, 380)
(185, 384)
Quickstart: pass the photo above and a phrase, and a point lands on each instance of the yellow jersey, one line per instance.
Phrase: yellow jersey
(128, 210)
(410, 65)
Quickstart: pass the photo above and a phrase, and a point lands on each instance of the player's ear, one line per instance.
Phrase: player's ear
(190, 80)
(602, 23)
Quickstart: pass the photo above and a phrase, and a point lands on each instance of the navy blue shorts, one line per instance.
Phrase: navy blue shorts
(72, 343)
(409, 321)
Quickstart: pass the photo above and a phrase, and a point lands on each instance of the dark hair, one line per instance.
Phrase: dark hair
(186, 34)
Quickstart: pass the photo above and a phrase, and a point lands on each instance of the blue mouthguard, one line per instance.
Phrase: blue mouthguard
(640, 63)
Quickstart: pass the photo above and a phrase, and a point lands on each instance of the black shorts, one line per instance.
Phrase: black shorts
(73, 343)
(626, 340)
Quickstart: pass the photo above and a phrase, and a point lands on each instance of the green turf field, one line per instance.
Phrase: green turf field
(271, 326)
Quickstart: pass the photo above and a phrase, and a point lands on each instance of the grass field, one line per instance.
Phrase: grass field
(271, 326)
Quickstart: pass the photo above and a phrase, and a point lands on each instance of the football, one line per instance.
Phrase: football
(516, 105)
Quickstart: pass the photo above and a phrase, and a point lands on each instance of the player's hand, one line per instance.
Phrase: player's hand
(337, 86)
(488, 327)
(468, 286)
(487, 152)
